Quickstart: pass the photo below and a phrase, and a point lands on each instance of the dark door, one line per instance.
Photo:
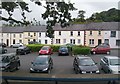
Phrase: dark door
(99, 41)
(13, 41)
(7, 42)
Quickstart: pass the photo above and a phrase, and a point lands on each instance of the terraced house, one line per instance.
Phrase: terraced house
(89, 34)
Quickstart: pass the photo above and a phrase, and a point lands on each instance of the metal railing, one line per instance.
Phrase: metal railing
(111, 79)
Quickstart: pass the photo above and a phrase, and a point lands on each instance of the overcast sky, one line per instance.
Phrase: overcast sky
(90, 7)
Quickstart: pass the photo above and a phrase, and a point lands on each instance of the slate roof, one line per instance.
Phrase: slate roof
(75, 27)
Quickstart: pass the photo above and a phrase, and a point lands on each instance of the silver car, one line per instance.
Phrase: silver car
(16, 45)
(110, 64)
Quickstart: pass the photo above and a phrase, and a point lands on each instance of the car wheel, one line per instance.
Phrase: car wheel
(49, 71)
(18, 67)
(94, 52)
(108, 52)
(25, 53)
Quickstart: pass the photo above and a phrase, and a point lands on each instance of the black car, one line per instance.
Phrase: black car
(42, 63)
(23, 50)
(3, 50)
(63, 50)
(9, 62)
(3, 44)
(84, 64)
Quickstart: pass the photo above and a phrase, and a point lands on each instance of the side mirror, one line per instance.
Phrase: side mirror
(31, 62)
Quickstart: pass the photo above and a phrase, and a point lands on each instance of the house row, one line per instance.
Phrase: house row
(89, 34)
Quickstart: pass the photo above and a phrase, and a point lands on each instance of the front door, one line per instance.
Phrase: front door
(7, 42)
(99, 41)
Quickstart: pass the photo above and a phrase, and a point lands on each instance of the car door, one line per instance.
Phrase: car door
(75, 64)
(105, 64)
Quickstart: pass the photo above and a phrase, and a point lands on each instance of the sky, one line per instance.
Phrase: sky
(90, 7)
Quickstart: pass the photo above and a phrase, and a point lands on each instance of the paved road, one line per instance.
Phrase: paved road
(62, 64)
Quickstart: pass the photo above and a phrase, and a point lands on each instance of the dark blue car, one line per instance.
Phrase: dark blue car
(63, 50)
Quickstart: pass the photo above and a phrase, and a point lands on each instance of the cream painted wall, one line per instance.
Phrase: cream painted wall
(31, 37)
(66, 35)
(94, 36)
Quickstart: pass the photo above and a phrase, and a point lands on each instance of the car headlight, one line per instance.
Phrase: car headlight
(45, 69)
(47, 51)
(97, 71)
(31, 69)
(83, 72)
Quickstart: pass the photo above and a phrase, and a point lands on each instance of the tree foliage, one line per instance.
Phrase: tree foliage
(57, 12)
(10, 7)
(112, 15)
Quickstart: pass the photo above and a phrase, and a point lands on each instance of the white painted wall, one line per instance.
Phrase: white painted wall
(112, 40)
(66, 35)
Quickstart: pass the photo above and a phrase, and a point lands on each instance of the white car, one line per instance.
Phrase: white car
(16, 45)
(110, 64)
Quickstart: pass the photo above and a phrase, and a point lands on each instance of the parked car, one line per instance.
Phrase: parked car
(23, 50)
(42, 63)
(63, 50)
(3, 45)
(16, 45)
(46, 50)
(101, 49)
(9, 62)
(84, 64)
(110, 64)
(3, 50)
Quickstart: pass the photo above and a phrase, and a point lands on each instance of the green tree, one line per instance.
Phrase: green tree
(81, 16)
(10, 8)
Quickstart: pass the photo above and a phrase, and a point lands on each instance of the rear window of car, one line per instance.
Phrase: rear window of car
(45, 48)
(86, 62)
(114, 61)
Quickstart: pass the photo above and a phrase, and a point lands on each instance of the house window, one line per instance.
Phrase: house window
(71, 33)
(117, 42)
(113, 33)
(40, 34)
(20, 35)
(29, 34)
(57, 41)
(28, 40)
(34, 34)
(46, 34)
(91, 41)
(106, 41)
(99, 32)
(90, 32)
(72, 41)
(46, 42)
(64, 40)
(7, 34)
(14, 35)
(79, 41)
(59, 32)
(20, 41)
(78, 33)
(39, 41)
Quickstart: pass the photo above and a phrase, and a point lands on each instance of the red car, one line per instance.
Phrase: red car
(46, 50)
(101, 49)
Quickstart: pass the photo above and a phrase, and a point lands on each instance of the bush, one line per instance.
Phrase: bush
(81, 50)
(37, 47)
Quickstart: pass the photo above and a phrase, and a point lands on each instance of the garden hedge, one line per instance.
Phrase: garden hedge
(37, 47)
(81, 50)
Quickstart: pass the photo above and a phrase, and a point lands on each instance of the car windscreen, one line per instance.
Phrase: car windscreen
(114, 61)
(44, 48)
(40, 61)
(63, 48)
(4, 59)
(86, 62)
